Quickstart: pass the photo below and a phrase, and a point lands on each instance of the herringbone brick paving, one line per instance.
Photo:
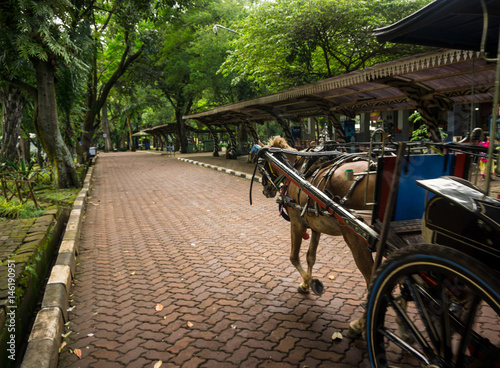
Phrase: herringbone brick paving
(161, 231)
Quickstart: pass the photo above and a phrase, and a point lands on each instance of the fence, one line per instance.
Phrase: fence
(21, 184)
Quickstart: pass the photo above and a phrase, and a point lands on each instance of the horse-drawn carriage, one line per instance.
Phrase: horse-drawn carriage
(435, 300)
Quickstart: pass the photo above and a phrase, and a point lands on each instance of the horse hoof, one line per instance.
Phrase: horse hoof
(317, 287)
(354, 330)
(302, 290)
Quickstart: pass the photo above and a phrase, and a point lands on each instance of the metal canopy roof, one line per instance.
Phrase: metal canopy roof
(448, 76)
(168, 129)
(164, 129)
(457, 24)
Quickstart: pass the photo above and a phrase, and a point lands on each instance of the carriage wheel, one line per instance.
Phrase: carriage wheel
(448, 304)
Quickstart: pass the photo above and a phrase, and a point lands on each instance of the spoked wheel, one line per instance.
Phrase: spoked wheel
(433, 306)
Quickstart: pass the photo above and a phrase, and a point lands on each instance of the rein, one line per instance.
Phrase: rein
(251, 182)
(339, 159)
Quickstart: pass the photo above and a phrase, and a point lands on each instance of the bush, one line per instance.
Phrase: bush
(420, 133)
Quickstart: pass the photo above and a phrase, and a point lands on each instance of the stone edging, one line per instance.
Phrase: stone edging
(222, 169)
(43, 343)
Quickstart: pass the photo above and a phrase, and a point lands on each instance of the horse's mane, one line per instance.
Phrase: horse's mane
(279, 142)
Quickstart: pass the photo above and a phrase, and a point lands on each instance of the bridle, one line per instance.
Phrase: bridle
(271, 179)
(266, 169)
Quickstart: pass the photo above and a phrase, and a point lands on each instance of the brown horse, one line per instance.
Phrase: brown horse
(329, 178)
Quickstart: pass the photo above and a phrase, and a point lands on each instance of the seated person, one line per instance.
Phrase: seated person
(254, 150)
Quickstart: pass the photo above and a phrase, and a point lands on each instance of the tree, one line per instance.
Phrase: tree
(116, 47)
(183, 62)
(41, 33)
(122, 31)
(286, 43)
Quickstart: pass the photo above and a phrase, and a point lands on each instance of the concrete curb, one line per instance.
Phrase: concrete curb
(45, 339)
(222, 169)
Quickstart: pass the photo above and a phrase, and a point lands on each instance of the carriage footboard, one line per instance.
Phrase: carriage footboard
(402, 233)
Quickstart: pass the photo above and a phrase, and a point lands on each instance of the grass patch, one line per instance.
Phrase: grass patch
(14, 209)
(46, 197)
(61, 197)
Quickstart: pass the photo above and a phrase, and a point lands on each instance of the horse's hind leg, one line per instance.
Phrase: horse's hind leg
(364, 261)
(316, 285)
(297, 231)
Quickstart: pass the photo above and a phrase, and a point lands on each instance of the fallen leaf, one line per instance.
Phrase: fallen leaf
(158, 364)
(66, 334)
(158, 307)
(190, 324)
(331, 277)
(337, 336)
(78, 353)
(62, 346)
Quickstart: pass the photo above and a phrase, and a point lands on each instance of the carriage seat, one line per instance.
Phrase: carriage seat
(465, 194)
(461, 216)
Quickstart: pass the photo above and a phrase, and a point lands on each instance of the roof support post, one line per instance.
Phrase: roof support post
(215, 152)
(231, 149)
(425, 100)
(430, 122)
(252, 131)
(328, 110)
(339, 129)
(283, 124)
(163, 141)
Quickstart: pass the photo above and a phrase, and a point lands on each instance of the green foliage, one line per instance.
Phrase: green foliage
(287, 43)
(15, 210)
(20, 167)
(419, 132)
(26, 171)
(185, 67)
(177, 74)
(45, 32)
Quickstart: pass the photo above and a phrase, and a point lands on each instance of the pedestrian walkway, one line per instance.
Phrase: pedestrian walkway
(174, 265)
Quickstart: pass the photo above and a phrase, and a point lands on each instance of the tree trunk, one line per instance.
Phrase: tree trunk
(89, 118)
(47, 127)
(181, 132)
(131, 144)
(12, 115)
(24, 145)
(105, 128)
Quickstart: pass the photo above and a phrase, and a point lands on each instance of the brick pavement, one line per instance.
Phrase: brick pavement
(161, 231)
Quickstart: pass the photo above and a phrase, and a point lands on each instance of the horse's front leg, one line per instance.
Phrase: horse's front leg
(297, 231)
(311, 252)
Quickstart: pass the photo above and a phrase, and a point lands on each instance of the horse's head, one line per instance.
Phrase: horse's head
(270, 177)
